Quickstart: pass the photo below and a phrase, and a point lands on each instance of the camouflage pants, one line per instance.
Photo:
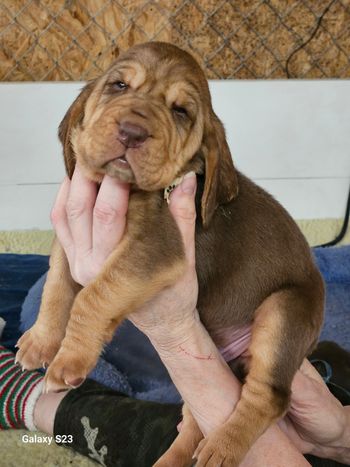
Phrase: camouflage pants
(113, 429)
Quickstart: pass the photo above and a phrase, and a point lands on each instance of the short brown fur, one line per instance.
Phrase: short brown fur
(253, 264)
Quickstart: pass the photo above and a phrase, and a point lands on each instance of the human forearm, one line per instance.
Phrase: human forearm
(211, 391)
(200, 374)
(274, 449)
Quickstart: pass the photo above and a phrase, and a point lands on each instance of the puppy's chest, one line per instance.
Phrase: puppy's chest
(230, 288)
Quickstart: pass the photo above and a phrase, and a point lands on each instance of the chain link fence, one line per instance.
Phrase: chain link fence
(77, 39)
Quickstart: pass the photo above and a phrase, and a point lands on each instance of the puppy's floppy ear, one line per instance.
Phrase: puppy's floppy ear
(71, 120)
(221, 184)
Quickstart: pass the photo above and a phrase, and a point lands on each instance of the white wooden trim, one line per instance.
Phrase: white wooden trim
(292, 137)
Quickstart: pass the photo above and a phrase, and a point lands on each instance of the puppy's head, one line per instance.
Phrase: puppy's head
(148, 120)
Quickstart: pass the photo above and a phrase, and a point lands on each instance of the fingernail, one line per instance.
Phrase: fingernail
(188, 184)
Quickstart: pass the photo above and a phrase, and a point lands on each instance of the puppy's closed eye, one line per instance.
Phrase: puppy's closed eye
(180, 111)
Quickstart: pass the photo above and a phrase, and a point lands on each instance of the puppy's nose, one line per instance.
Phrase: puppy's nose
(131, 135)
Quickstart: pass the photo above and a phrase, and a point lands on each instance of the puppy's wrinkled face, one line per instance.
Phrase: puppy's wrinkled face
(144, 119)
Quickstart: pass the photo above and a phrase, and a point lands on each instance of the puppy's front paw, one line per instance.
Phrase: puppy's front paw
(37, 348)
(68, 370)
(218, 450)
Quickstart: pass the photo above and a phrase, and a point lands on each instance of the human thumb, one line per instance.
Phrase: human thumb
(183, 208)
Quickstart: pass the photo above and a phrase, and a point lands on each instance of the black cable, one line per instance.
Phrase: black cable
(344, 228)
(312, 35)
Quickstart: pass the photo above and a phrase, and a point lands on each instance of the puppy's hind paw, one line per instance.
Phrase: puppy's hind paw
(214, 452)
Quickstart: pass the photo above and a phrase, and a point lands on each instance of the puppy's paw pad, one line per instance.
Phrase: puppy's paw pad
(66, 372)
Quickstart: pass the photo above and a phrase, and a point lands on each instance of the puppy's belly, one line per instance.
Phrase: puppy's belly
(233, 342)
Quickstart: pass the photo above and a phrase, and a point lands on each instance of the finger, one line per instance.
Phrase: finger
(182, 207)
(109, 217)
(59, 218)
(79, 208)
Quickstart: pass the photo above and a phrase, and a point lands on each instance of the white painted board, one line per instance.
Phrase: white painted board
(292, 137)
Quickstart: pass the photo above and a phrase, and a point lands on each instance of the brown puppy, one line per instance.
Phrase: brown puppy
(148, 120)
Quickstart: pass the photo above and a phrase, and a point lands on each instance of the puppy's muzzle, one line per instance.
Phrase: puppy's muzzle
(132, 135)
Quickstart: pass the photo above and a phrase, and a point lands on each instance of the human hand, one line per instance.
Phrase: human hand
(317, 423)
(89, 223)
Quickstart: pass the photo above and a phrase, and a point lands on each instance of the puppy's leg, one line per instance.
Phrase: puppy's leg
(285, 329)
(39, 345)
(180, 453)
(125, 284)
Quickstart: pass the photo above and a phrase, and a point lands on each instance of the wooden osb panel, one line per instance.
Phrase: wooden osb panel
(78, 39)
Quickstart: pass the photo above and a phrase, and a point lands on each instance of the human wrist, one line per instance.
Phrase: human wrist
(339, 450)
(171, 334)
(345, 439)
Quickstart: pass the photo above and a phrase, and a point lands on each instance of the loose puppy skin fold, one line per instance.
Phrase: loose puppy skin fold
(146, 121)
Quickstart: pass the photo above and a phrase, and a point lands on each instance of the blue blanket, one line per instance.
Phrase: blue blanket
(334, 264)
(129, 363)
